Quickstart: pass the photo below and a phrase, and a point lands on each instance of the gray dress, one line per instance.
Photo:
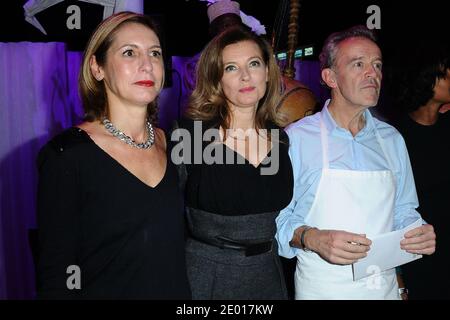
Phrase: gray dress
(231, 252)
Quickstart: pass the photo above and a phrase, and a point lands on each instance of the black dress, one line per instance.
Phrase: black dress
(237, 203)
(127, 238)
(429, 151)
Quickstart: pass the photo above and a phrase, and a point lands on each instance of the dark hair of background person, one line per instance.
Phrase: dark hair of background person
(410, 76)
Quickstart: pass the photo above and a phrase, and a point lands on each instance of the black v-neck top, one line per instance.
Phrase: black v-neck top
(429, 152)
(126, 237)
(238, 189)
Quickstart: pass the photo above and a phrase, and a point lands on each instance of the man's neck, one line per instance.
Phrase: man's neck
(349, 118)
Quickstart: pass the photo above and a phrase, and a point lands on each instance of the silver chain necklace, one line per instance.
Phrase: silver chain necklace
(128, 140)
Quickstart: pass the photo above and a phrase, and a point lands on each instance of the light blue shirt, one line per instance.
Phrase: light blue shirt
(361, 153)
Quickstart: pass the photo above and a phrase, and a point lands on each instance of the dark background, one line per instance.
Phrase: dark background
(185, 22)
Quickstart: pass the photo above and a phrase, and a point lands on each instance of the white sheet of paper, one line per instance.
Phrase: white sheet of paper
(385, 253)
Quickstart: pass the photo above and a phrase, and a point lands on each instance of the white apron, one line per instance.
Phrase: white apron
(355, 201)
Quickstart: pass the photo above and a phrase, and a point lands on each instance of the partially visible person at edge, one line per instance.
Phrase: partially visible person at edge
(352, 180)
(420, 86)
(232, 202)
(109, 207)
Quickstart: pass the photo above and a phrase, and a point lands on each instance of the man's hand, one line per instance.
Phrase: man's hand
(338, 247)
(420, 240)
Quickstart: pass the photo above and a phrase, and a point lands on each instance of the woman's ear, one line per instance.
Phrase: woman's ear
(329, 77)
(96, 69)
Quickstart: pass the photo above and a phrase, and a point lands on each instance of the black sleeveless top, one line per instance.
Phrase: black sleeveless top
(126, 237)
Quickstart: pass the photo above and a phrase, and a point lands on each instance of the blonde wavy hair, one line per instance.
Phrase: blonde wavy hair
(92, 91)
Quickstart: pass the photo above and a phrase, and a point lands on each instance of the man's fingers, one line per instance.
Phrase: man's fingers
(425, 229)
(420, 245)
(427, 251)
(336, 254)
(355, 247)
(418, 235)
(353, 238)
(413, 233)
(341, 247)
(360, 239)
(339, 258)
(418, 239)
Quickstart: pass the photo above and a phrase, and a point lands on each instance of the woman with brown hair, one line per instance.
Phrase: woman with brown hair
(237, 184)
(109, 208)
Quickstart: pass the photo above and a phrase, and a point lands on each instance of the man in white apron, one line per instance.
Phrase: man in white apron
(353, 180)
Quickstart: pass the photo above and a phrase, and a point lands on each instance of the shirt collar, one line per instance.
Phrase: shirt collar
(334, 129)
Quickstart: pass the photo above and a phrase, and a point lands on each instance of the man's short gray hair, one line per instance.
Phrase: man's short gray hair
(328, 55)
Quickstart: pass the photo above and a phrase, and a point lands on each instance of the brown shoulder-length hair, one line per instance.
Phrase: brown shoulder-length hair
(92, 91)
(208, 101)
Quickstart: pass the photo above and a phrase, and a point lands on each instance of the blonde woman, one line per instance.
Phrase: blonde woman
(109, 205)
